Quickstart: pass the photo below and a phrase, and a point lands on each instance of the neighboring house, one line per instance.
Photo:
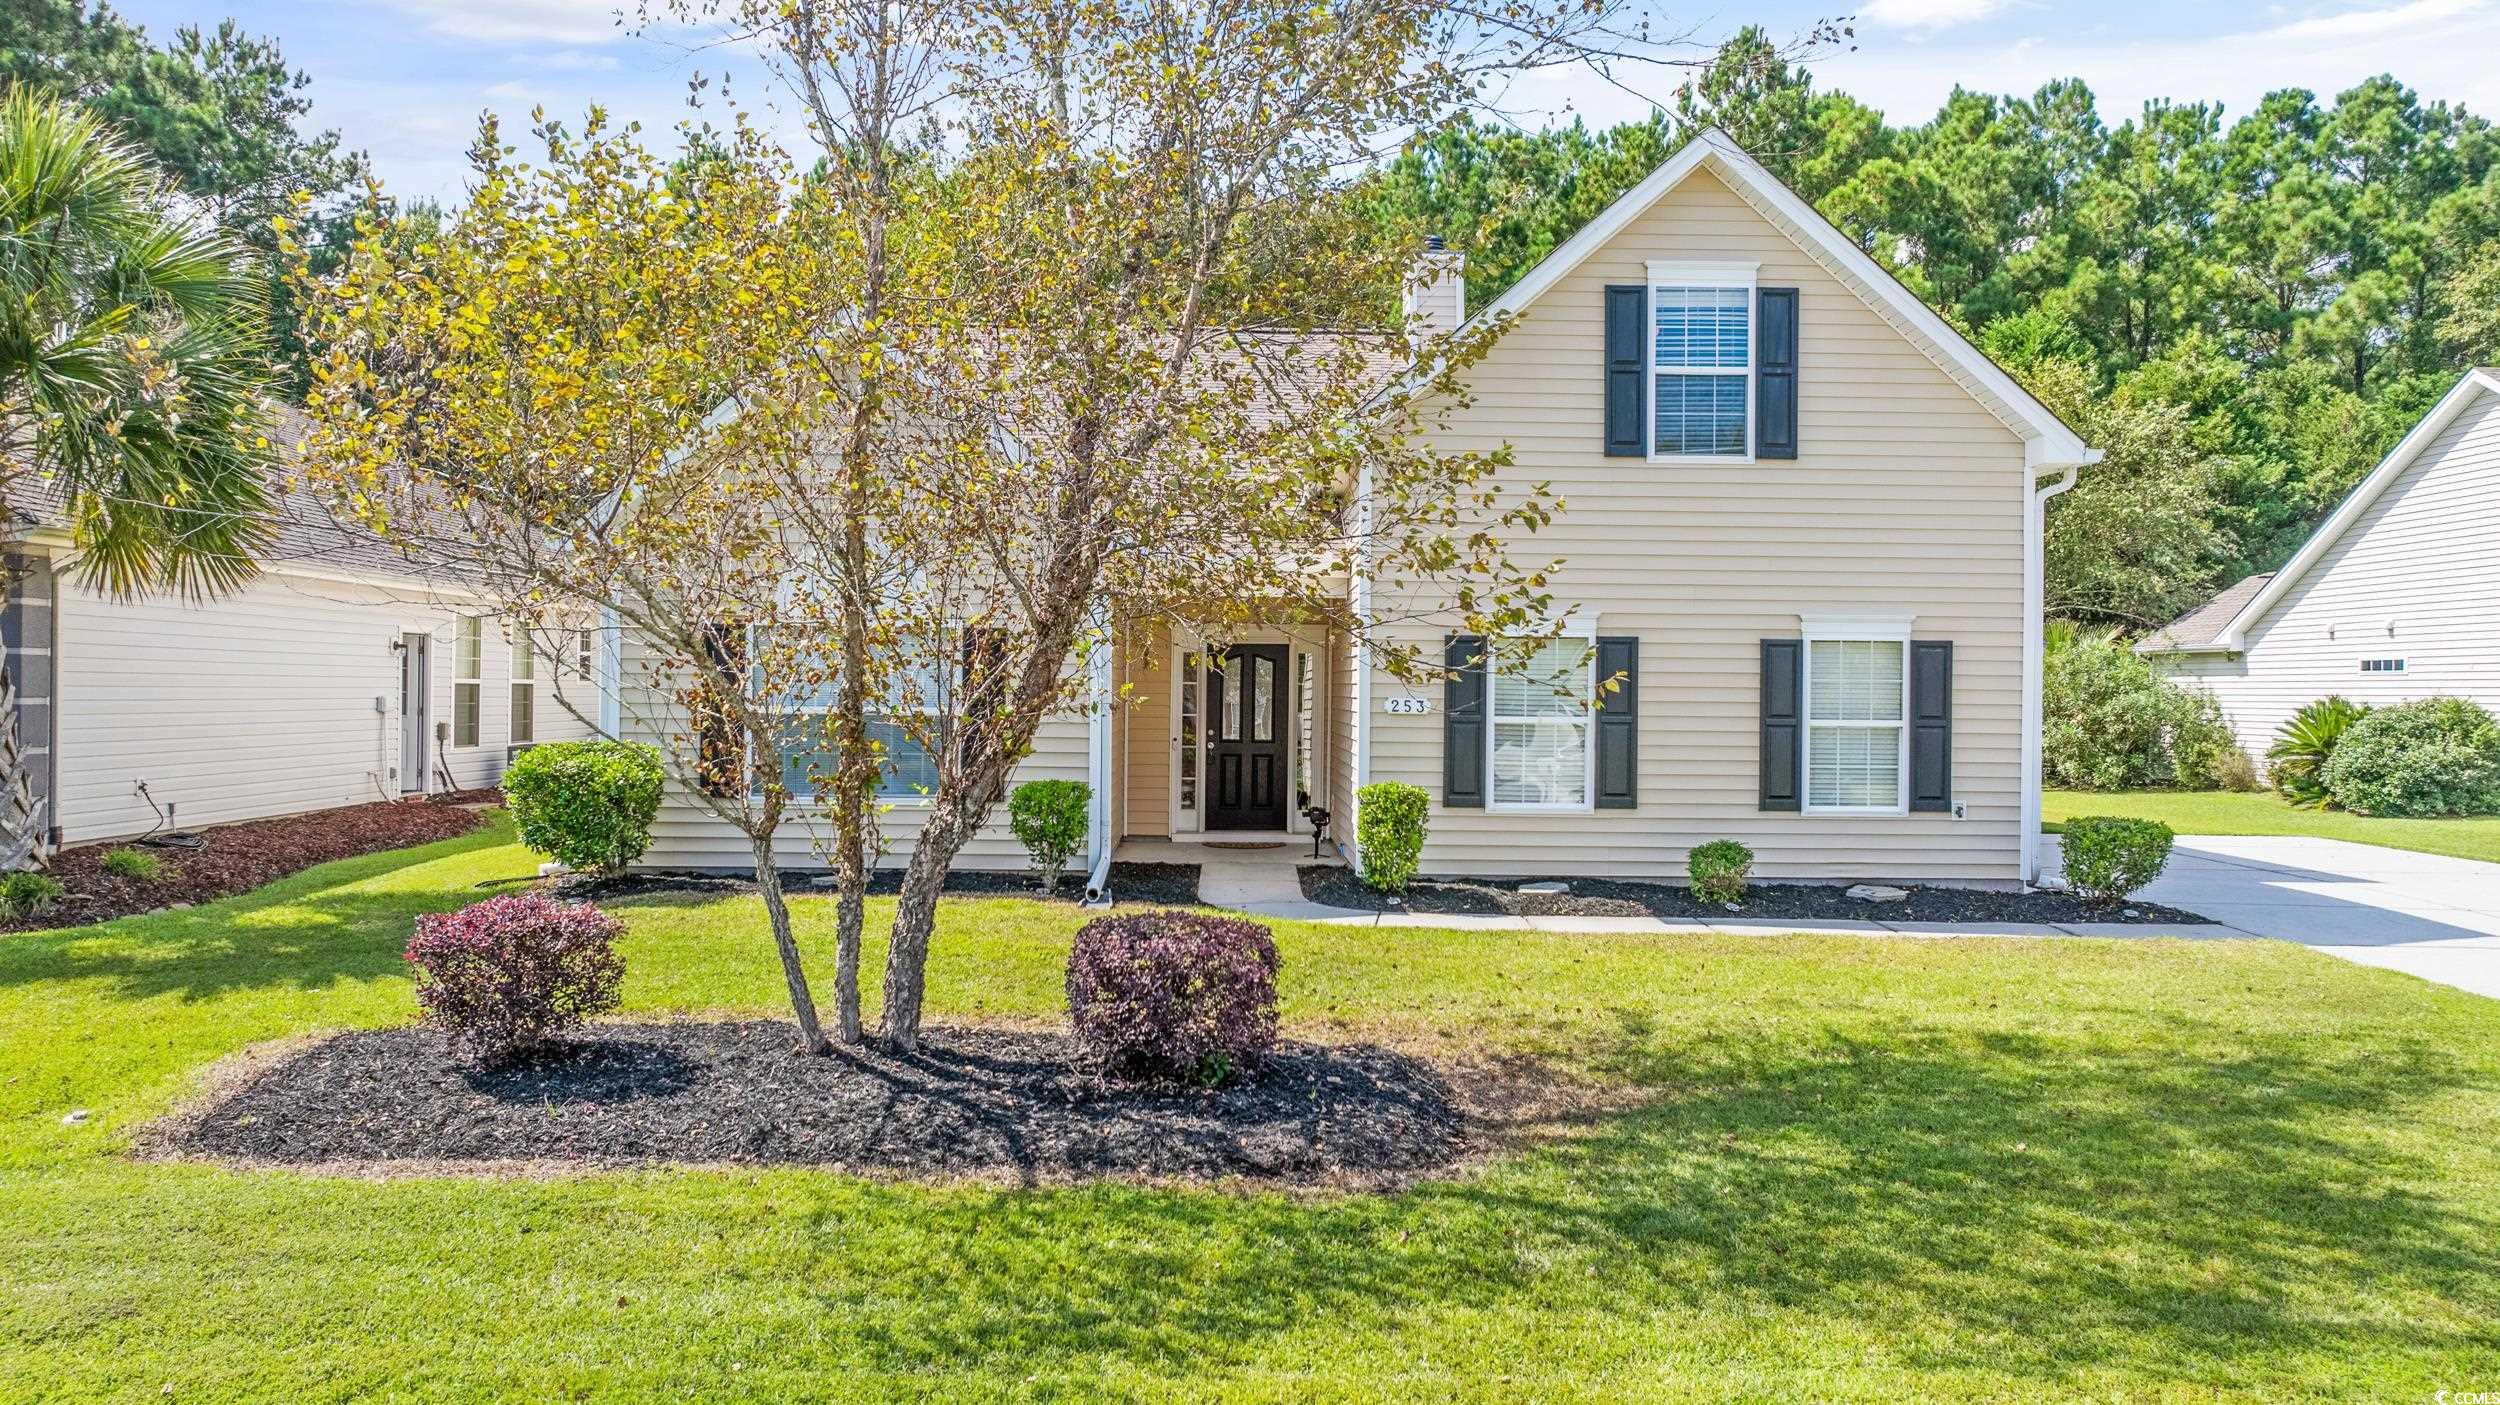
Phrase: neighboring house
(319, 684)
(2396, 596)
(1802, 522)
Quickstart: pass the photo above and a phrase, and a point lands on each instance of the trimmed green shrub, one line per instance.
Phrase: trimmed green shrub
(1720, 869)
(1389, 829)
(588, 804)
(1049, 820)
(503, 976)
(136, 864)
(2296, 763)
(2234, 771)
(2109, 722)
(2110, 856)
(2436, 757)
(1172, 994)
(24, 894)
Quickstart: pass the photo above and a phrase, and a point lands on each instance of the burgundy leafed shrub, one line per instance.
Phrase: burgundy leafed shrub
(1174, 994)
(505, 975)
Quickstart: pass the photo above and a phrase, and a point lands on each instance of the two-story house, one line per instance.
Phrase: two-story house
(1802, 525)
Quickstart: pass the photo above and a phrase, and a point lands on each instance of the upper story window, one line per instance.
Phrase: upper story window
(2382, 665)
(1701, 360)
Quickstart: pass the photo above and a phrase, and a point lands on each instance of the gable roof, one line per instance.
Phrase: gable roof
(2200, 627)
(2232, 636)
(2047, 441)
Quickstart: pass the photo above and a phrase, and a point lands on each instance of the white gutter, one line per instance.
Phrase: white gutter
(1098, 838)
(2035, 520)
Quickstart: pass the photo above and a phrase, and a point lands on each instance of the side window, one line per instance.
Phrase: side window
(1857, 739)
(1541, 731)
(524, 689)
(467, 659)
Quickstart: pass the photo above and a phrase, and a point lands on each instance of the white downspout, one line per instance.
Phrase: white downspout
(1360, 589)
(611, 675)
(2034, 601)
(1098, 838)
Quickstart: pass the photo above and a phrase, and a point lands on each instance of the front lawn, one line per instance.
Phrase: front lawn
(2264, 812)
(1877, 1169)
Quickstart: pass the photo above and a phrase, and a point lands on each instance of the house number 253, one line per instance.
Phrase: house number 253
(1409, 707)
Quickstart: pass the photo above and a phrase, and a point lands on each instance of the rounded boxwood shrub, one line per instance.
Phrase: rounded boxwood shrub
(1048, 818)
(1720, 870)
(2439, 756)
(1389, 827)
(1171, 994)
(588, 804)
(2109, 856)
(503, 976)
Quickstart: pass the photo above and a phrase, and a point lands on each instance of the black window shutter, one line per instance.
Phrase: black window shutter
(1619, 723)
(1931, 726)
(1462, 724)
(1775, 374)
(720, 752)
(1783, 674)
(1627, 304)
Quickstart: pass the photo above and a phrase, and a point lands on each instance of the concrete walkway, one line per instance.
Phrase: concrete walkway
(2437, 918)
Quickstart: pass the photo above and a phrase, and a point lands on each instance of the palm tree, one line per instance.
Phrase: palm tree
(133, 360)
(132, 370)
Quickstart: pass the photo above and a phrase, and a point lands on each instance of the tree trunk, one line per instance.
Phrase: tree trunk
(915, 918)
(793, 971)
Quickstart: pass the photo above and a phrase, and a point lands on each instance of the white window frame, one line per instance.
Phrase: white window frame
(1678, 273)
(524, 674)
(585, 654)
(1584, 633)
(1850, 629)
(465, 631)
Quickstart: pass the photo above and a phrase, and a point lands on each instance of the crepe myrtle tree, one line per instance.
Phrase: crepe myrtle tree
(608, 384)
(1164, 412)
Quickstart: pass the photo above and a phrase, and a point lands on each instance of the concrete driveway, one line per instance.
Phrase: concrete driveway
(2438, 918)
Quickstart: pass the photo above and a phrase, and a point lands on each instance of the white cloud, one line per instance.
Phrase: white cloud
(2374, 23)
(520, 21)
(513, 92)
(578, 61)
(1927, 14)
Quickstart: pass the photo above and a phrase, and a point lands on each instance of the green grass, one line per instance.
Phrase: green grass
(2264, 812)
(1869, 1169)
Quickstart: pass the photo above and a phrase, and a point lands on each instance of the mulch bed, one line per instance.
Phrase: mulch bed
(1172, 883)
(1017, 1105)
(240, 857)
(1783, 902)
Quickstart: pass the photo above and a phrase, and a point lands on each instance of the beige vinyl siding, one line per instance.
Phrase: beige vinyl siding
(261, 703)
(2415, 577)
(1908, 496)
(1343, 667)
(1146, 713)
(688, 835)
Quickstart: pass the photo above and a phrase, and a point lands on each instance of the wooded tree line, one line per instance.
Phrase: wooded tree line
(2246, 314)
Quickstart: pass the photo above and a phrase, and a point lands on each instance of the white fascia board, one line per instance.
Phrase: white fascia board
(2047, 442)
(2470, 386)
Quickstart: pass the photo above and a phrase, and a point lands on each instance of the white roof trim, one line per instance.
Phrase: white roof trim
(2048, 443)
(2234, 637)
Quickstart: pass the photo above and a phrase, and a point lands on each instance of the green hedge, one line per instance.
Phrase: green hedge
(1048, 818)
(2436, 757)
(1390, 832)
(2109, 856)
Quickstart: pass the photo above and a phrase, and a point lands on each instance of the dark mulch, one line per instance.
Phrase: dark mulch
(237, 858)
(1782, 902)
(990, 1103)
(1172, 883)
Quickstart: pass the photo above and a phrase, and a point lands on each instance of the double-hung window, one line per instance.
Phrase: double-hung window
(524, 689)
(585, 656)
(897, 725)
(468, 653)
(1701, 361)
(1541, 734)
(1857, 745)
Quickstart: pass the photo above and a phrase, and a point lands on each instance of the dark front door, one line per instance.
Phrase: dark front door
(1248, 767)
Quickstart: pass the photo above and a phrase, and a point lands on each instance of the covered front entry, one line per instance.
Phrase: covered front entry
(1249, 769)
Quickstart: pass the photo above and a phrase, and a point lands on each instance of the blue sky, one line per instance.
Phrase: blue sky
(406, 79)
